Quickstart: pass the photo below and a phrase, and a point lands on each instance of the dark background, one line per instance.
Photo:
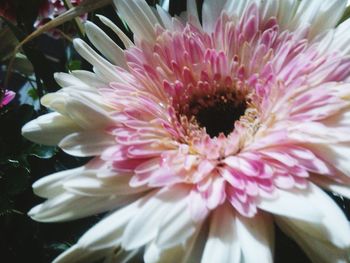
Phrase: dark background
(22, 163)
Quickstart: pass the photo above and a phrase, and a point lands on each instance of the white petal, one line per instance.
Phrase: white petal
(332, 186)
(121, 256)
(93, 186)
(66, 80)
(177, 226)
(256, 238)
(79, 255)
(183, 253)
(52, 185)
(139, 17)
(165, 18)
(236, 8)
(105, 44)
(333, 226)
(341, 39)
(105, 68)
(292, 203)
(318, 251)
(86, 114)
(192, 13)
(86, 143)
(269, 8)
(108, 232)
(211, 12)
(124, 38)
(89, 78)
(144, 227)
(68, 206)
(49, 129)
(321, 15)
(287, 9)
(337, 154)
(222, 244)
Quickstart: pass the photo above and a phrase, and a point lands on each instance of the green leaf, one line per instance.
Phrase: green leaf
(74, 65)
(33, 94)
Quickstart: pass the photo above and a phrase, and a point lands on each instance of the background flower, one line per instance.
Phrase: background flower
(8, 96)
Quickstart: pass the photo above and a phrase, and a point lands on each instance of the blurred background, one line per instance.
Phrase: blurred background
(26, 74)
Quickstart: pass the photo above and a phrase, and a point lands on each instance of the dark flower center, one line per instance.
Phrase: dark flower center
(217, 113)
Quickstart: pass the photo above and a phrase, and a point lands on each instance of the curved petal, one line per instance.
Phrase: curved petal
(86, 143)
(256, 238)
(67, 206)
(107, 47)
(140, 18)
(222, 244)
(317, 250)
(49, 129)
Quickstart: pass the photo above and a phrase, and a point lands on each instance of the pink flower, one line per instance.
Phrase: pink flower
(7, 98)
(52, 9)
(230, 125)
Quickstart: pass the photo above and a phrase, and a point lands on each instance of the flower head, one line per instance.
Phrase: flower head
(234, 123)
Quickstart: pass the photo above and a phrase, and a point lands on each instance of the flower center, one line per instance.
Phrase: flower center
(217, 113)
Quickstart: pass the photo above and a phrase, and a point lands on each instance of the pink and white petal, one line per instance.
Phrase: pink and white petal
(86, 143)
(49, 129)
(317, 250)
(68, 206)
(140, 18)
(222, 244)
(256, 234)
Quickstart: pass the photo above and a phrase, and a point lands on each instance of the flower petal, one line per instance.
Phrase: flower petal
(49, 129)
(292, 203)
(107, 47)
(222, 244)
(87, 143)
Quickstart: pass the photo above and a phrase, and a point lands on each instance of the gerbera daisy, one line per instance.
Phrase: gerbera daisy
(205, 132)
